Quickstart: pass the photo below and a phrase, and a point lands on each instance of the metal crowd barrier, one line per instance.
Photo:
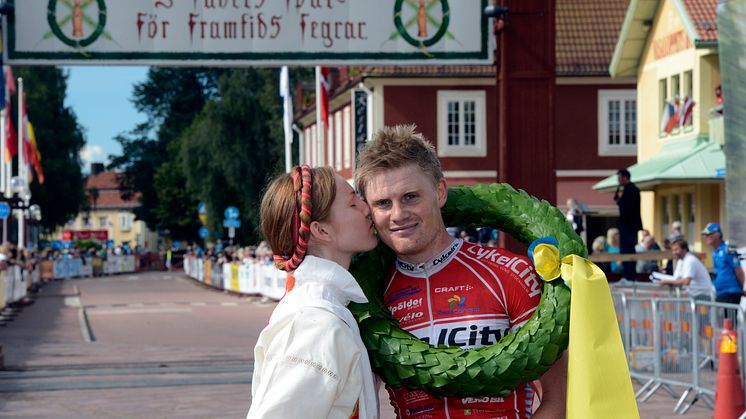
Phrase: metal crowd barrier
(255, 278)
(672, 343)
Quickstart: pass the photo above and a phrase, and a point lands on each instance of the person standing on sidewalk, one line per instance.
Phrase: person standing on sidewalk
(728, 272)
(627, 197)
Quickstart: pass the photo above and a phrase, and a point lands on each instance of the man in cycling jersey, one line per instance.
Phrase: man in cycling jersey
(443, 290)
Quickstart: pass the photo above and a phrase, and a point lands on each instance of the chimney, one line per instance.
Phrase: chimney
(96, 168)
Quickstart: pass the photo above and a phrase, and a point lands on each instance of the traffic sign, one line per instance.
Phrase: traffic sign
(204, 232)
(201, 208)
(4, 210)
(231, 213)
(231, 233)
(231, 223)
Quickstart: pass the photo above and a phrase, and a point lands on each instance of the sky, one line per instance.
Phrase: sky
(101, 99)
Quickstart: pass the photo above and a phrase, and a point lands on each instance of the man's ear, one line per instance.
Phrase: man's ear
(320, 232)
(442, 191)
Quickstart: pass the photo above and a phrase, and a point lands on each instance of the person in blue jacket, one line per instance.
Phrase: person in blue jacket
(728, 272)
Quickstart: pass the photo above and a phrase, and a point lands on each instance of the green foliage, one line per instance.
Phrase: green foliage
(59, 139)
(234, 146)
(170, 98)
(87, 244)
(521, 356)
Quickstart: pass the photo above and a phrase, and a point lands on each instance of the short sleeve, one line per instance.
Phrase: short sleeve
(522, 292)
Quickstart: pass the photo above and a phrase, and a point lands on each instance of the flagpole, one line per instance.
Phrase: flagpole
(319, 124)
(21, 166)
(3, 179)
(287, 116)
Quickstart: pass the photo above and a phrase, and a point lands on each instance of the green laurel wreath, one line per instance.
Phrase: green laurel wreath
(521, 356)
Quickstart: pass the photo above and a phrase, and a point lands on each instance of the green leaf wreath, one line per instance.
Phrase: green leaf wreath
(522, 356)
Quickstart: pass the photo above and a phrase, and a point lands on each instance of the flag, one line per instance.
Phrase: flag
(324, 92)
(668, 113)
(9, 89)
(673, 121)
(287, 114)
(31, 155)
(685, 114)
(33, 152)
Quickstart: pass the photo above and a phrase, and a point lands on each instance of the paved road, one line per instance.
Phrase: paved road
(151, 345)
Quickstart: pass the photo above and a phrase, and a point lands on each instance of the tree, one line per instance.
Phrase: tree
(59, 140)
(170, 98)
(234, 146)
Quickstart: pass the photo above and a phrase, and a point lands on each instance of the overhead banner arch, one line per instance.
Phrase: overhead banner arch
(247, 32)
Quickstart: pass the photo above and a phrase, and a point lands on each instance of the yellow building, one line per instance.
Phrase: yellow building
(670, 46)
(108, 212)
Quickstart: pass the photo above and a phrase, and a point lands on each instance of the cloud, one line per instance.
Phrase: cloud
(92, 154)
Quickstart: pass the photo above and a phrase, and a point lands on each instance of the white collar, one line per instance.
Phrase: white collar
(337, 280)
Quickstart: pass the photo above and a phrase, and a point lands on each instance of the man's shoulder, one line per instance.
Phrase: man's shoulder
(495, 258)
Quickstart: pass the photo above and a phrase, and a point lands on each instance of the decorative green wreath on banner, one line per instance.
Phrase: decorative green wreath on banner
(522, 356)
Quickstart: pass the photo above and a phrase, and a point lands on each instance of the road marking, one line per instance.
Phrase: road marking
(72, 301)
(85, 326)
(136, 305)
(225, 304)
(198, 304)
(141, 311)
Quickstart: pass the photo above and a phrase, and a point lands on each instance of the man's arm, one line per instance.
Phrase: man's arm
(680, 281)
(554, 391)
(739, 275)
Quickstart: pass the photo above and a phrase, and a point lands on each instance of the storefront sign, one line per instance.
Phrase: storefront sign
(671, 44)
(70, 235)
(247, 32)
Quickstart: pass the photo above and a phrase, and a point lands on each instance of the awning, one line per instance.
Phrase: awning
(689, 160)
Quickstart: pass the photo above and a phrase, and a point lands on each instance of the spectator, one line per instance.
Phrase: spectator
(648, 245)
(668, 268)
(689, 272)
(612, 246)
(676, 233)
(574, 215)
(627, 197)
(599, 247)
(728, 271)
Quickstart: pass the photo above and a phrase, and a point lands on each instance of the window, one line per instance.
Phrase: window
(102, 221)
(307, 146)
(462, 130)
(617, 123)
(662, 101)
(125, 222)
(347, 138)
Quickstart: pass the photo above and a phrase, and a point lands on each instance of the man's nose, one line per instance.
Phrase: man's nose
(398, 212)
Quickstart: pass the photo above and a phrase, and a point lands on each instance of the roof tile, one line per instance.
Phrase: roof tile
(703, 15)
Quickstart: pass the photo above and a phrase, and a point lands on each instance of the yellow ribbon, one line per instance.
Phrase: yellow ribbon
(598, 381)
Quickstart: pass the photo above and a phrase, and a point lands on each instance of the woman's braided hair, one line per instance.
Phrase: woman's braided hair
(303, 196)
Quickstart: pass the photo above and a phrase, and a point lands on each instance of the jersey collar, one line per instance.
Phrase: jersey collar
(432, 265)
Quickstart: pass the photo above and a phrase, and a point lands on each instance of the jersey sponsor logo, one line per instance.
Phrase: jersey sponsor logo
(517, 265)
(420, 409)
(457, 301)
(412, 316)
(405, 305)
(448, 253)
(407, 266)
(470, 336)
(457, 305)
(456, 288)
(471, 400)
(405, 292)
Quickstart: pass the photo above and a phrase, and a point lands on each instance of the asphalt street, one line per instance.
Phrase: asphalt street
(148, 345)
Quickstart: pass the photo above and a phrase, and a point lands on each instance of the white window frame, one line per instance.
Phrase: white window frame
(604, 148)
(338, 140)
(125, 222)
(307, 147)
(479, 149)
(347, 137)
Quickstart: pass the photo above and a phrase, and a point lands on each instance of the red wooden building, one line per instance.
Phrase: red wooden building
(592, 125)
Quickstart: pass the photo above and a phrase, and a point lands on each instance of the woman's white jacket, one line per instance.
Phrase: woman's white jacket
(310, 362)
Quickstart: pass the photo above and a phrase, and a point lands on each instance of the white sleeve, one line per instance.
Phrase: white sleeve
(687, 268)
(305, 367)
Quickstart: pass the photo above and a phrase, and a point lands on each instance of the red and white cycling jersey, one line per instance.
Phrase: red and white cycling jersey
(468, 296)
